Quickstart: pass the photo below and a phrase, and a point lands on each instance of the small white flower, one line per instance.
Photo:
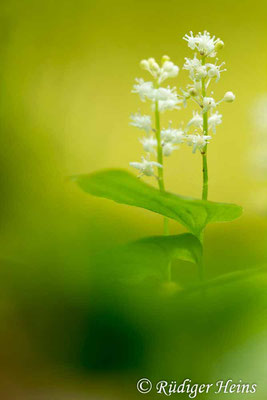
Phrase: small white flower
(178, 136)
(200, 73)
(214, 120)
(191, 40)
(197, 120)
(169, 105)
(149, 144)
(214, 70)
(229, 97)
(167, 134)
(192, 63)
(144, 89)
(163, 94)
(208, 103)
(167, 99)
(197, 141)
(168, 148)
(175, 136)
(197, 71)
(204, 43)
(141, 121)
(145, 167)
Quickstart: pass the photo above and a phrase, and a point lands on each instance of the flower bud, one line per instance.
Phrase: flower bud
(168, 66)
(192, 91)
(153, 65)
(164, 59)
(219, 45)
(229, 97)
(144, 64)
(151, 62)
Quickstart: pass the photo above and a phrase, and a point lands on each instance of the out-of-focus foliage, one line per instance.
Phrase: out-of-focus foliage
(66, 72)
(147, 258)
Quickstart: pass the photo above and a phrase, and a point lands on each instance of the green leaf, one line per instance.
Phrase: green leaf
(148, 257)
(125, 188)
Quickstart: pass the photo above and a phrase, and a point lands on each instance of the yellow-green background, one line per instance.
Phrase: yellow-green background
(66, 73)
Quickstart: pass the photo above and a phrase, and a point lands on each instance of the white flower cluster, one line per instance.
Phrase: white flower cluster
(167, 98)
(198, 71)
(162, 99)
(204, 121)
(202, 73)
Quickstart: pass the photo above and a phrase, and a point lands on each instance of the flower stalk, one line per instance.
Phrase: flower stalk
(159, 148)
(201, 74)
(205, 148)
(162, 99)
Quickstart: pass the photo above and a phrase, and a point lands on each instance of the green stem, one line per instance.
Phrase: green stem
(204, 168)
(159, 147)
(160, 161)
(205, 174)
(205, 149)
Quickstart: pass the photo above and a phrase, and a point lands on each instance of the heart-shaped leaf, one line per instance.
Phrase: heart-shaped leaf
(125, 188)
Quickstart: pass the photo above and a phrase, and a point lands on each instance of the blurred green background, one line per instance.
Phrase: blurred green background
(66, 72)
